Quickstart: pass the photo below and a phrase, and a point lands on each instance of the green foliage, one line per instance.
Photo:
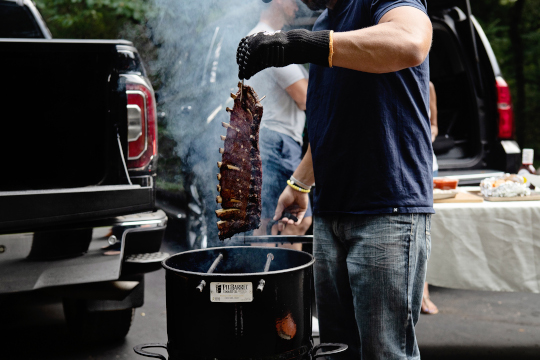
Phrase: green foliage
(91, 19)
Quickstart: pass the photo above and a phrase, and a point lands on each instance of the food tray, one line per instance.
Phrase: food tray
(535, 196)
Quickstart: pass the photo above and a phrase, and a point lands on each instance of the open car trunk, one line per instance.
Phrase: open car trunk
(458, 144)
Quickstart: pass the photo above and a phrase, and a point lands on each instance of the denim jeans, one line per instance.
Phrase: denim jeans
(280, 156)
(369, 277)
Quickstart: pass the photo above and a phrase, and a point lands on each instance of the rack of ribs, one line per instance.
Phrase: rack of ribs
(240, 169)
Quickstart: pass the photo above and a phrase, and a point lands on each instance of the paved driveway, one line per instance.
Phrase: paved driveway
(471, 325)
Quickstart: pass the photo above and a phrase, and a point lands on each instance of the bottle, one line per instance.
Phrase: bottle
(527, 163)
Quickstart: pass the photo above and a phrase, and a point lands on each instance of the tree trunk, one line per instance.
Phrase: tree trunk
(518, 51)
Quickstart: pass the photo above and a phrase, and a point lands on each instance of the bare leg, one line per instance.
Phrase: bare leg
(428, 307)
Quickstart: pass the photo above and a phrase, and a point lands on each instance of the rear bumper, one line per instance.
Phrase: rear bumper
(80, 254)
(23, 210)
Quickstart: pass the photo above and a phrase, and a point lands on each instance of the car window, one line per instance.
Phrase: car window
(17, 22)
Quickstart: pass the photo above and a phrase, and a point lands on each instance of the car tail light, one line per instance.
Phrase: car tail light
(142, 126)
(506, 112)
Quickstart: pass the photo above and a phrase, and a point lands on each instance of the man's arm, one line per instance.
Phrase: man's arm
(400, 40)
(295, 201)
(298, 91)
(433, 108)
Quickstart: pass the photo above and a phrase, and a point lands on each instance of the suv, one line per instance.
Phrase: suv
(476, 122)
(77, 191)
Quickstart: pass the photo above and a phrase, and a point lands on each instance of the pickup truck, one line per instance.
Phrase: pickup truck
(77, 185)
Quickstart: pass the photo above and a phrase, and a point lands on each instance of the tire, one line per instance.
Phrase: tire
(96, 326)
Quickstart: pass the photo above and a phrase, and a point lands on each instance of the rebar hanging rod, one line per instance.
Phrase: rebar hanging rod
(269, 259)
(211, 270)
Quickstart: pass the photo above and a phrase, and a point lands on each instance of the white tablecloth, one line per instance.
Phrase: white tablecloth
(486, 246)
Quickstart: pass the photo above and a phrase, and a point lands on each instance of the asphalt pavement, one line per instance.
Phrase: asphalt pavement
(470, 325)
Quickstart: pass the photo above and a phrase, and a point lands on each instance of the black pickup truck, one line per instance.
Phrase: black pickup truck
(77, 185)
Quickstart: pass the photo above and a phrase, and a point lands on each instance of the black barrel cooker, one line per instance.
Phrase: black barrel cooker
(239, 302)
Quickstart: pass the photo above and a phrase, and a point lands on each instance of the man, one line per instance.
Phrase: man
(283, 121)
(371, 156)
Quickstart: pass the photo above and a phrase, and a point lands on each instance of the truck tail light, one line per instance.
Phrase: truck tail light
(506, 112)
(142, 126)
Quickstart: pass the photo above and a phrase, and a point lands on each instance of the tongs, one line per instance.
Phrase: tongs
(274, 222)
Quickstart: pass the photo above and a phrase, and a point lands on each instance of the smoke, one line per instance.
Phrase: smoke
(196, 65)
(196, 60)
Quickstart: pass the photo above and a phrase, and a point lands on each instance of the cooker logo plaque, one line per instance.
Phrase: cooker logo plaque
(231, 292)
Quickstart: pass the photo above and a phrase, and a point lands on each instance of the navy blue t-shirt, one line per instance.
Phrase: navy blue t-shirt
(369, 133)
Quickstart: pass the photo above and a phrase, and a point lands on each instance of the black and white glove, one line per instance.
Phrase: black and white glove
(281, 48)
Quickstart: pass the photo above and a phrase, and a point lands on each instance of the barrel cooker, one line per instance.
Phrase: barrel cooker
(239, 302)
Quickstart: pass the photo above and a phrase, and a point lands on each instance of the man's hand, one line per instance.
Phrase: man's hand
(281, 48)
(434, 132)
(295, 203)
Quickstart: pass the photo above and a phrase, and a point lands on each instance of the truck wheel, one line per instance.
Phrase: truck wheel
(96, 326)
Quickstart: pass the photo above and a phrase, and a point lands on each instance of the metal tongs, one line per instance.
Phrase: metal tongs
(271, 223)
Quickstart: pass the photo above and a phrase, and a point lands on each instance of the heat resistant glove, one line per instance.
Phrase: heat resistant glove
(262, 50)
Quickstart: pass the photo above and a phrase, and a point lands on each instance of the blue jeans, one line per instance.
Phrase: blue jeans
(280, 156)
(369, 278)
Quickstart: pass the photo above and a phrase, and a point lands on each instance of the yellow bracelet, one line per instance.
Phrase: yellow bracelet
(297, 188)
(331, 50)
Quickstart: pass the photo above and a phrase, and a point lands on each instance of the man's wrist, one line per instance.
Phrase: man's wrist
(310, 46)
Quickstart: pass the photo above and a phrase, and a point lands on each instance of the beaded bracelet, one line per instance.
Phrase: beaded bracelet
(297, 188)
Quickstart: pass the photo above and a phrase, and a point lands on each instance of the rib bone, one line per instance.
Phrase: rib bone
(228, 126)
(221, 212)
